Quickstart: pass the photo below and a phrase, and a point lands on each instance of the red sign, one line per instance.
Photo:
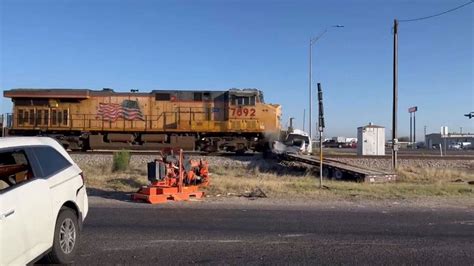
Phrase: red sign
(413, 109)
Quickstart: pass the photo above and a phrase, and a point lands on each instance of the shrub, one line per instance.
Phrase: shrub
(121, 161)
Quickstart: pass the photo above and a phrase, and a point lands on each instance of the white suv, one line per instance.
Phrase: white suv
(43, 201)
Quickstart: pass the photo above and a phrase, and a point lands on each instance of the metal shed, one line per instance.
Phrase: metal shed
(371, 140)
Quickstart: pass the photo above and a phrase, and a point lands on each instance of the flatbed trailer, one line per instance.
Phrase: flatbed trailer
(342, 171)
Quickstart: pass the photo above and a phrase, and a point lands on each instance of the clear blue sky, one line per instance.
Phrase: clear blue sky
(260, 44)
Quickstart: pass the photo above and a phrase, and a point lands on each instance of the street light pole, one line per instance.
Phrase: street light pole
(304, 118)
(311, 42)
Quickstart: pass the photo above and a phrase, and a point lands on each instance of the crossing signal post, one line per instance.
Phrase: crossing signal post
(321, 129)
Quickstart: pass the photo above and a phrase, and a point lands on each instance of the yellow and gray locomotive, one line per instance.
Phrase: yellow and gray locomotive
(82, 119)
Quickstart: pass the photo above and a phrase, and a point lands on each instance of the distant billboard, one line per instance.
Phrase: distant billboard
(413, 109)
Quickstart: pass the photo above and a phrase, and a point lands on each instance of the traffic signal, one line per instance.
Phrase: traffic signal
(321, 109)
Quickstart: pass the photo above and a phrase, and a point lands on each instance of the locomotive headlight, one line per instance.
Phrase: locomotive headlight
(53, 103)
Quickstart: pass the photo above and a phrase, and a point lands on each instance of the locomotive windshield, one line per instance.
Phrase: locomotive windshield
(245, 97)
(243, 100)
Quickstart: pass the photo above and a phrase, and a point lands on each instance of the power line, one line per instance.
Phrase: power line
(439, 14)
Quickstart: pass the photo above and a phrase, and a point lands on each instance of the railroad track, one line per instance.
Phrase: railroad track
(404, 156)
(108, 152)
(331, 156)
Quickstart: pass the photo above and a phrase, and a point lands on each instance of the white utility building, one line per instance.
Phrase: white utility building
(371, 140)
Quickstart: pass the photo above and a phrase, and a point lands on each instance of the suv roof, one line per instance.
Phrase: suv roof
(6, 142)
(11, 142)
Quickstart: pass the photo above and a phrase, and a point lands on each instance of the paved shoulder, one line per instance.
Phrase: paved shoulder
(176, 235)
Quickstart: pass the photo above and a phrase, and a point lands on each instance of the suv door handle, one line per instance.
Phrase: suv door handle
(6, 214)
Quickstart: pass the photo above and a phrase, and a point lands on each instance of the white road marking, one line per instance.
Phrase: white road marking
(197, 241)
(293, 235)
(156, 242)
(470, 222)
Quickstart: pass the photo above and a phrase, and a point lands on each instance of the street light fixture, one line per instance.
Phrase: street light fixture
(311, 42)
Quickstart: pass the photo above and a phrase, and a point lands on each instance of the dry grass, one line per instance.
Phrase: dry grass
(433, 175)
(239, 181)
(103, 178)
(227, 181)
(414, 183)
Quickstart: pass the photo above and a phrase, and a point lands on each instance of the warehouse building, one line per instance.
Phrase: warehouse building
(452, 139)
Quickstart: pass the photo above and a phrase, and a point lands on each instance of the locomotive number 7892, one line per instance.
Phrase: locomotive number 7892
(242, 111)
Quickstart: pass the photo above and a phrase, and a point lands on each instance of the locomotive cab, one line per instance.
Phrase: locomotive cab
(245, 97)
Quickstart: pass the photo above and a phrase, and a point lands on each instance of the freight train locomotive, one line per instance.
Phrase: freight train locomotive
(82, 119)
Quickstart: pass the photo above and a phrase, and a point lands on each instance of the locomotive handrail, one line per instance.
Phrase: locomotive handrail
(87, 121)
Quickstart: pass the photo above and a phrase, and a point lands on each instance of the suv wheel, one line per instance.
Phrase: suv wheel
(66, 236)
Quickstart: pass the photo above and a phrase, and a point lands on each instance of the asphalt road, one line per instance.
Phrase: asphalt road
(132, 233)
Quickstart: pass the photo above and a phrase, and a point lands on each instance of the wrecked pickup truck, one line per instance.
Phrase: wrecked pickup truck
(296, 142)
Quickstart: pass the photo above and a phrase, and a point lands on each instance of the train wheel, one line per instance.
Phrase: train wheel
(240, 148)
(240, 152)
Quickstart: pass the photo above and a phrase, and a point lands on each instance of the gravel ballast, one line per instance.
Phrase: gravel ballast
(261, 163)
(386, 164)
(138, 161)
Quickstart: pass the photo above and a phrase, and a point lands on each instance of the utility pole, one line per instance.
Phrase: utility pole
(2, 133)
(395, 95)
(424, 131)
(290, 128)
(304, 118)
(310, 87)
